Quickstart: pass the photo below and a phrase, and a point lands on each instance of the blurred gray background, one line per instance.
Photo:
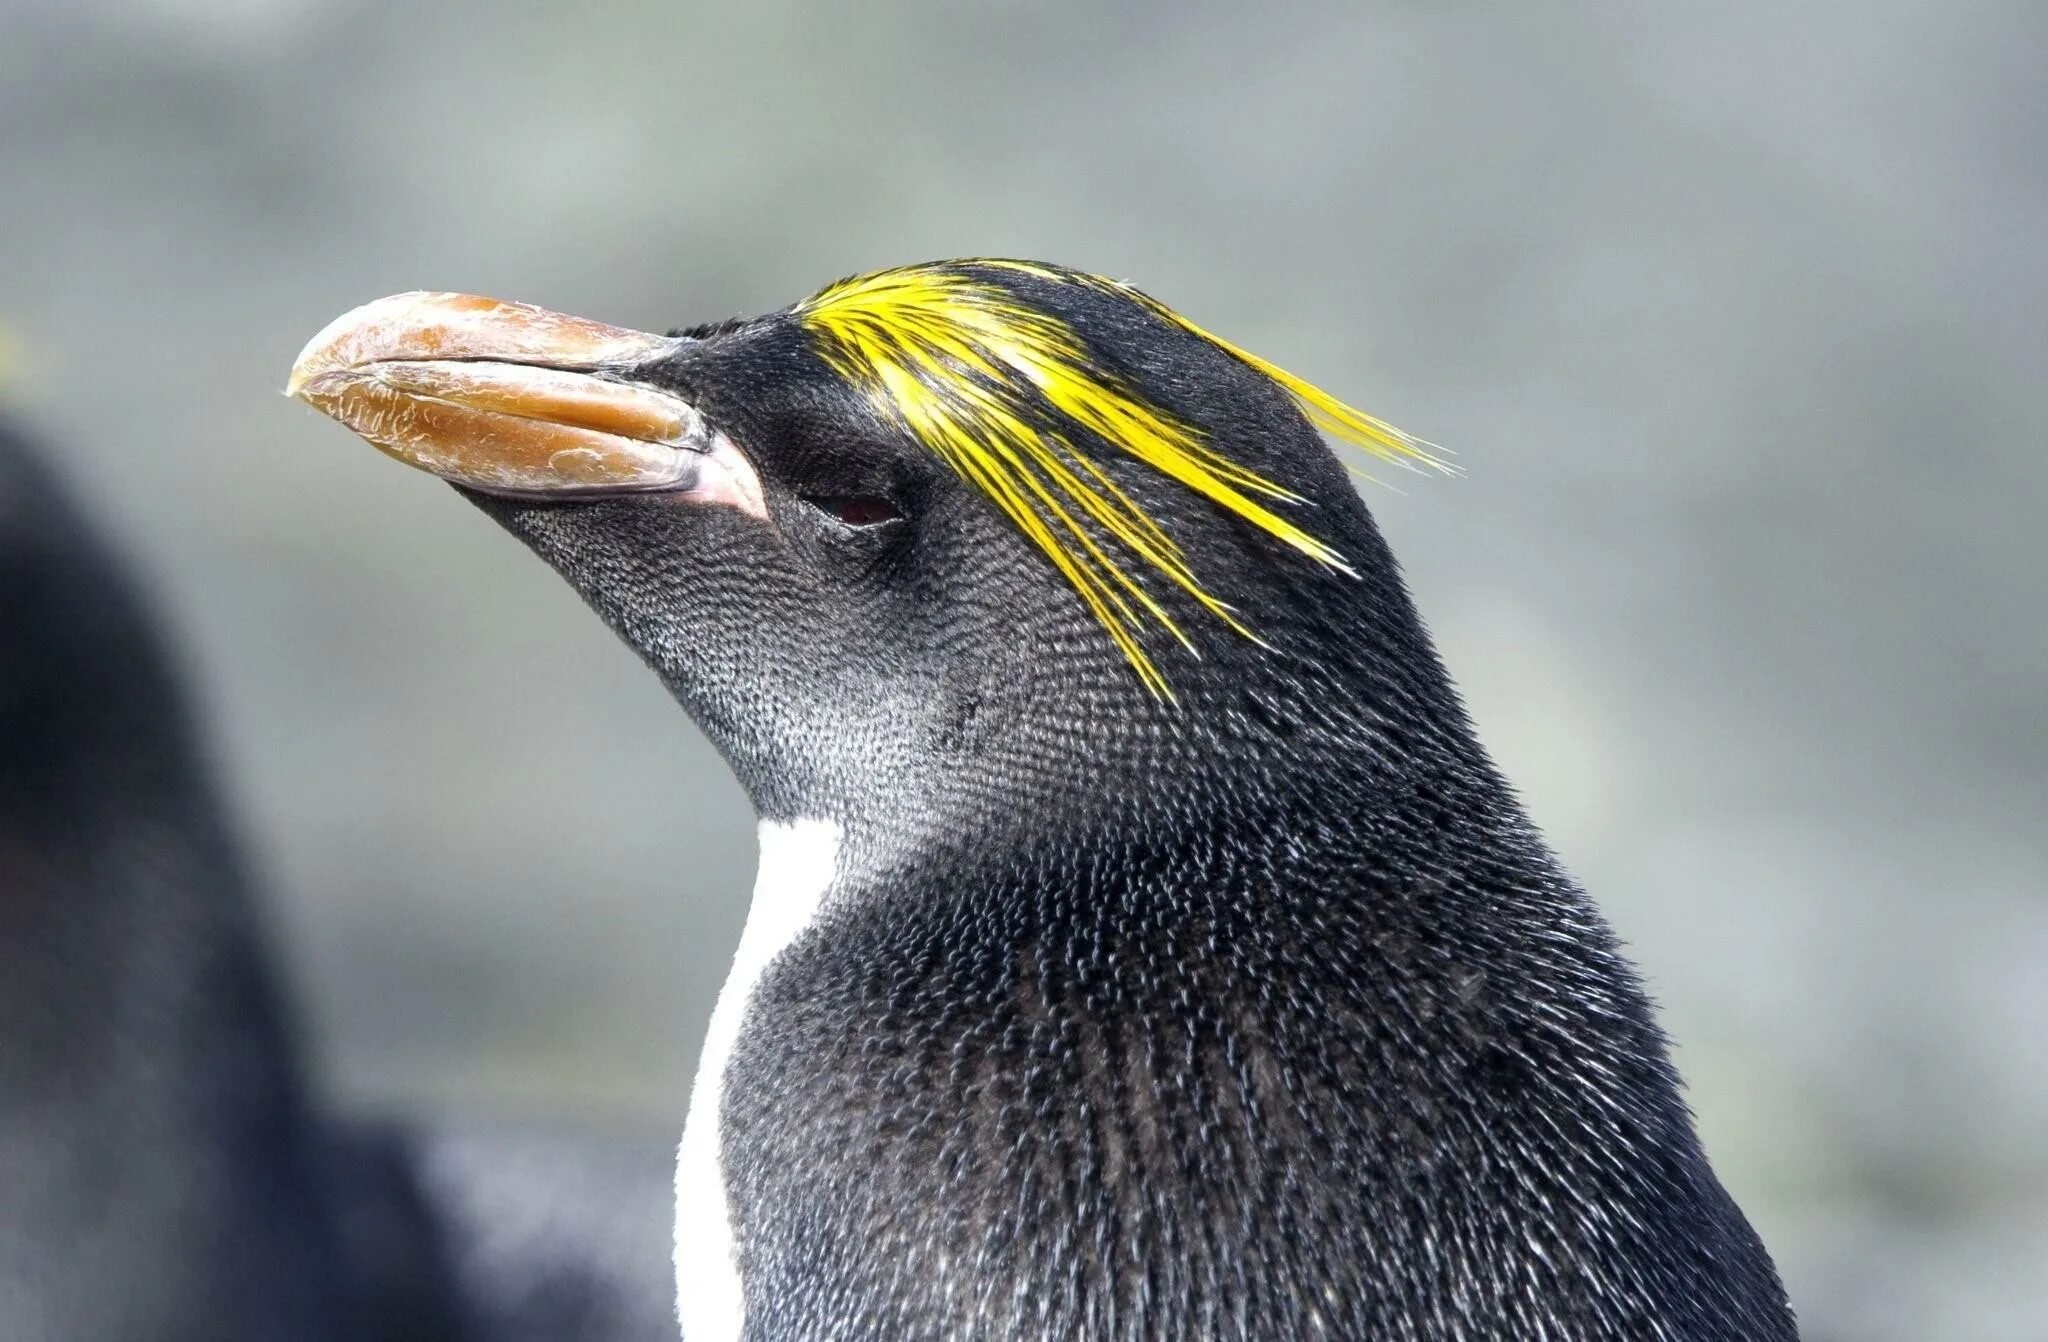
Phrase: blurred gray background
(1736, 316)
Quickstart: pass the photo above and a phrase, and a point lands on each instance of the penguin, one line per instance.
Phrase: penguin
(170, 1171)
(165, 1170)
(1143, 943)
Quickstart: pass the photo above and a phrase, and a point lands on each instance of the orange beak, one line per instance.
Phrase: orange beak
(506, 398)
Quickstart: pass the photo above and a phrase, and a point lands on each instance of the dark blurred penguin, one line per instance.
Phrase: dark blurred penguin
(163, 1170)
(165, 1175)
(1144, 946)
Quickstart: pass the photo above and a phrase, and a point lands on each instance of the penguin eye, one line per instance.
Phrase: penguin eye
(855, 511)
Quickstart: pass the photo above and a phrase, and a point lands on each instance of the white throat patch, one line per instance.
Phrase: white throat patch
(799, 860)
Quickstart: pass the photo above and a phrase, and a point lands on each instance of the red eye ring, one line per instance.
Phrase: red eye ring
(855, 511)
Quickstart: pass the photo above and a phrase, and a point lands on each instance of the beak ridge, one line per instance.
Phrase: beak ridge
(428, 325)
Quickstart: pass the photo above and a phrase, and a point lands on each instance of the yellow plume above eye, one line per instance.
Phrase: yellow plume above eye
(1013, 399)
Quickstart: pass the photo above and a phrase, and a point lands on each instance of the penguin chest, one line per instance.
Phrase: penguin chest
(798, 863)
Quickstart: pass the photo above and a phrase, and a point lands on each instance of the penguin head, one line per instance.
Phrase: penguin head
(927, 537)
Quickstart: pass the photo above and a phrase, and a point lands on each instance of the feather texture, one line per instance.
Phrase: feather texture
(1014, 400)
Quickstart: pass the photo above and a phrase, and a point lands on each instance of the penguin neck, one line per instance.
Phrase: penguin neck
(1164, 781)
(799, 868)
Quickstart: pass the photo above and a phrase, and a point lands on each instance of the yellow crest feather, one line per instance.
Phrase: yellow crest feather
(1011, 398)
